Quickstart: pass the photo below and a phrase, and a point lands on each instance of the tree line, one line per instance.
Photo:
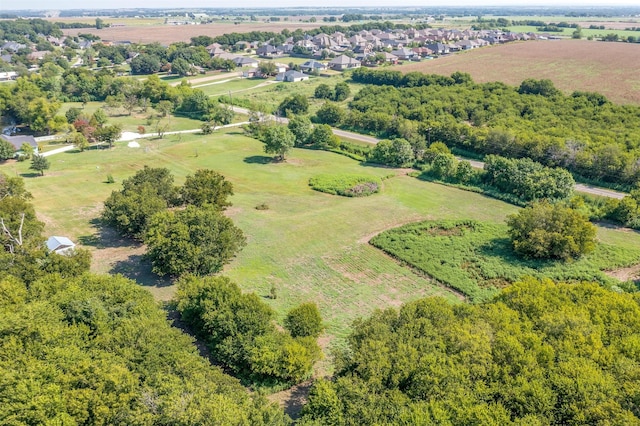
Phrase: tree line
(35, 100)
(539, 353)
(582, 132)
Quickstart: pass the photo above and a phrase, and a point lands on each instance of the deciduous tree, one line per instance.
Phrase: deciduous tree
(197, 241)
(551, 231)
(278, 140)
(40, 163)
(207, 188)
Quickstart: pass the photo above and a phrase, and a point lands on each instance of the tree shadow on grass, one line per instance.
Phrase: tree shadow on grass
(258, 159)
(137, 268)
(30, 175)
(500, 249)
(297, 399)
(106, 237)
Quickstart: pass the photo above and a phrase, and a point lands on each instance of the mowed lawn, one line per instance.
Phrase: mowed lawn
(311, 246)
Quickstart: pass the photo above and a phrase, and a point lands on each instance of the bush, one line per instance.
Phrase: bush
(346, 185)
(304, 321)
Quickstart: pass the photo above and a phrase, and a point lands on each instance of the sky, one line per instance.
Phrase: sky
(159, 4)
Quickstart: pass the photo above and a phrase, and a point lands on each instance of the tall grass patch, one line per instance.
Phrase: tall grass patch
(347, 185)
(477, 259)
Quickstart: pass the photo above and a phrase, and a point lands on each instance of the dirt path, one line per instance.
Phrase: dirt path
(293, 399)
(626, 274)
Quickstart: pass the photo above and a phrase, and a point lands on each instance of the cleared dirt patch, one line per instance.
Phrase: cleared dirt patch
(607, 68)
(626, 274)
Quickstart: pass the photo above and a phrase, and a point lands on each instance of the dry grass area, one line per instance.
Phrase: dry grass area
(607, 68)
(167, 34)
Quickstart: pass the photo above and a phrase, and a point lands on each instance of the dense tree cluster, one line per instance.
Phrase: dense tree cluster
(526, 179)
(36, 99)
(540, 353)
(339, 93)
(582, 132)
(239, 330)
(198, 240)
(99, 350)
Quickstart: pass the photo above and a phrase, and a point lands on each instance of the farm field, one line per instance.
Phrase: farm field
(167, 34)
(607, 68)
(288, 244)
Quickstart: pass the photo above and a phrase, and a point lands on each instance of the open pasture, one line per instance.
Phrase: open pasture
(167, 34)
(607, 68)
(309, 245)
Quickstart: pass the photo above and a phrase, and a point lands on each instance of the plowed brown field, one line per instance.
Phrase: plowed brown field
(167, 34)
(607, 68)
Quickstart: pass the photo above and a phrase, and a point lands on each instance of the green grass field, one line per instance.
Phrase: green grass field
(223, 87)
(138, 117)
(309, 245)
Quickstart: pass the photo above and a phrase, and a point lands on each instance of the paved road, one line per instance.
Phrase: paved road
(337, 132)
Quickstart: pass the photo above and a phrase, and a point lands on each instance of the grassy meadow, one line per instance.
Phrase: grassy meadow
(481, 260)
(309, 245)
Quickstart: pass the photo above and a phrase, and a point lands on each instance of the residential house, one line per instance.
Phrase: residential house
(343, 62)
(39, 55)
(438, 48)
(404, 54)
(291, 76)
(18, 141)
(244, 61)
(313, 65)
(268, 51)
(8, 75)
(12, 46)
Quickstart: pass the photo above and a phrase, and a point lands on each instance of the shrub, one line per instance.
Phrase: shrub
(346, 185)
(304, 321)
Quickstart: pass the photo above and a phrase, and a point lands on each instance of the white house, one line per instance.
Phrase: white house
(291, 76)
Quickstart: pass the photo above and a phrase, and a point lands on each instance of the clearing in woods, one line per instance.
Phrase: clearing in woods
(595, 66)
(309, 245)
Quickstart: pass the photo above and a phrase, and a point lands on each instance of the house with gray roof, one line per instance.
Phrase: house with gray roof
(343, 62)
(18, 141)
(291, 76)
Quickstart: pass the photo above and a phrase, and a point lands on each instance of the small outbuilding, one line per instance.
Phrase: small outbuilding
(60, 245)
